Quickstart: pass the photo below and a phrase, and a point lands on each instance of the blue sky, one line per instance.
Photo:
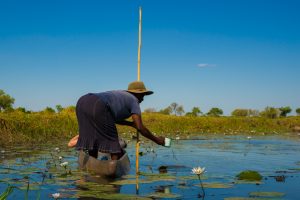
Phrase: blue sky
(205, 53)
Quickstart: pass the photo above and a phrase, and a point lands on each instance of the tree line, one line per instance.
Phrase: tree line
(6, 105)
(269, 112)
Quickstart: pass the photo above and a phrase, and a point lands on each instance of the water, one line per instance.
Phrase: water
(35, 173)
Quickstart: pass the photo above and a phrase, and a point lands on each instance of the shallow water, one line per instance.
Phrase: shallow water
(35, 173)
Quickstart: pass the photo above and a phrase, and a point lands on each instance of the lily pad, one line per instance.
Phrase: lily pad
(158, 177)
(130, 182)
(109, 196)
(164, 195)
(266, 194)
(192, 177)
(248, 182)
(245, 198)
(215, 185)
(249, 175)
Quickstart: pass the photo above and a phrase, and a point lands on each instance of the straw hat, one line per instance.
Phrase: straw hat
(138, 87)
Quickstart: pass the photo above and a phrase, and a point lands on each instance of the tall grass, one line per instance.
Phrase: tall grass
(19, 127)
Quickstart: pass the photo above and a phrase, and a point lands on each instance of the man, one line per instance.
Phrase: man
(98, 114)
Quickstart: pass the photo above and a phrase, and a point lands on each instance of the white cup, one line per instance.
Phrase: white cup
(167, 142)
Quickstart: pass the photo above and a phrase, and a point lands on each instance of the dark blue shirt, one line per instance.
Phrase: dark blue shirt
(122, 104)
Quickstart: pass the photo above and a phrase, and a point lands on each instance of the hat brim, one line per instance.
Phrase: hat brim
(148, 92)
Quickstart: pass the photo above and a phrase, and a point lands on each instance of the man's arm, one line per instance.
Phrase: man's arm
(137, 120)
(126, 123)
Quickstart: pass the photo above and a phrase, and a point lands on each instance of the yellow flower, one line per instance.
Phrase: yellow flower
(198, 170)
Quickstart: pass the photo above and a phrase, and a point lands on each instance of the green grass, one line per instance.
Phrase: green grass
(18, 127)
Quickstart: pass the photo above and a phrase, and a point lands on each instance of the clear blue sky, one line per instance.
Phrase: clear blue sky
(205, 53)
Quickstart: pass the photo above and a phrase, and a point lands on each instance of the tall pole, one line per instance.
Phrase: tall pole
(139, 45)
(138, 79)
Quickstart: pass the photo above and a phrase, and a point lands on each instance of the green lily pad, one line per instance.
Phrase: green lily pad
(192, 177)
(215, 185)
(266, 194)
(129, 176)
(295, 169)
(248, 182)
(130, 182)
(164, 195)
(109, 196)
(158, 177)
(249, 175)
(245, 198)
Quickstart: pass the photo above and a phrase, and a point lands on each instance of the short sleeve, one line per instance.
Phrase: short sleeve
(135, 108)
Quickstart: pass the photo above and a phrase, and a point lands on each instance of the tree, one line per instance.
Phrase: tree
(22, 109)
(253, 113)
(270, 112)
(173, 107)
(179, 110)
(150, 110)
(215, 112)
(196, 111)
(240, 112)
(284, 111)
(59, 108)
(49, 110)
(298, 111)
(166, 111)
(6, 101)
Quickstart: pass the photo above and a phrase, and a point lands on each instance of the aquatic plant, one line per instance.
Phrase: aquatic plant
(56, 195)
(199, 171)
(7, 192)
(249, 175)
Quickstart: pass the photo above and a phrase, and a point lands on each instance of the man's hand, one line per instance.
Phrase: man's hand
(160, 140)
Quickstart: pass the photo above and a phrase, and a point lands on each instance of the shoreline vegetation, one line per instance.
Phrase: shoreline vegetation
(18, 127)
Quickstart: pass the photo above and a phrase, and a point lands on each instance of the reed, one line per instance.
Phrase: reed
(22, 127)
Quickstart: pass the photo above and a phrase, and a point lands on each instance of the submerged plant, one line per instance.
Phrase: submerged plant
(199, 171)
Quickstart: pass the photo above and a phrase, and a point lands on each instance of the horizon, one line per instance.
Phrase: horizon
(196, 53)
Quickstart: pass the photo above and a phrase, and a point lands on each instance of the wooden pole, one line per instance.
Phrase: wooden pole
(137, 149)
(139, 45)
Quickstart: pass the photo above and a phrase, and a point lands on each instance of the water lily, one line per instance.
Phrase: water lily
(56, 149)
(198, 170)
(64, 164)
(56, 195)
(60, 157)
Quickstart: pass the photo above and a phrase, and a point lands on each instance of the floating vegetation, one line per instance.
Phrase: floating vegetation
(245, 198)
(266, 194)
(249, 175)
(96, 195)
(186, 178)
(164, 195)
(215, 185)
(158, 177)
(131, 182)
